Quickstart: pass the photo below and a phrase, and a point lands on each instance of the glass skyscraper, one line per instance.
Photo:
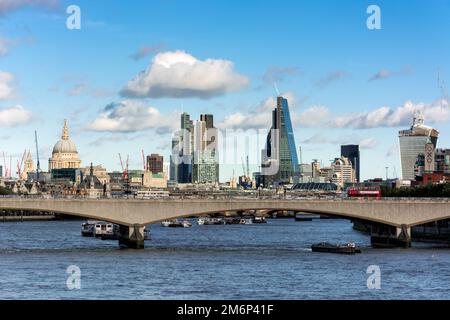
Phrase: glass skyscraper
(205, 155)
(351, 152)
(194, 156)
(281, 152)
(412, 144)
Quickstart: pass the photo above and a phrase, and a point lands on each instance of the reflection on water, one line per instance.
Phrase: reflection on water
(260, 261)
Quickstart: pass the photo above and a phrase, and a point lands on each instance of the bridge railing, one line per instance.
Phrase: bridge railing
(225, 197)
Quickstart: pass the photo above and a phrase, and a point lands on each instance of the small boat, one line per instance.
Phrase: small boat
(88, 229)
(104, 229)
(111, 232)
(349, 248)
(211, 221)
(259, 220)
(176, 224)
(166, 223)
(246, 221)
(232, 220)
(299, 216)
(186, 224)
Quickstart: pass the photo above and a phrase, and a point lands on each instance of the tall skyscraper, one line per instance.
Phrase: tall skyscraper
(413, 143)
(183, 150)
(1, 171)
(208, 119)
(205, 155)
(351, 152)
(281, 152)
(194, 151)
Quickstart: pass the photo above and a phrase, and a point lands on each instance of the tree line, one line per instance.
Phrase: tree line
(428, 191)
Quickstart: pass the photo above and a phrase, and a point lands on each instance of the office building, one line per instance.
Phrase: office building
(208, 119)
(342, 171)
(442, 160)
(413, 142)
(194, 157)
(155, 163)
(205, 155)
(280, 152)
(182, 146)
(351, 152)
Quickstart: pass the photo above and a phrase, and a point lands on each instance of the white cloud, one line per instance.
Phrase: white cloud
(393, 150)
(178, 74)
(83, 89)
(382, 74)
(14, 116)
(147, 50)
(276, 73)
(438, 111)
(314, 116)
(320, 138)
(133, 116)
(258, 117)
(368, 143)
(3, 46)
(11, 5)
(5, 88)
(385, 73)
(331, 77)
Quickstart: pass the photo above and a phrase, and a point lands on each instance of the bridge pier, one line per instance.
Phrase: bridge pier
(383, 236)
(131, 237)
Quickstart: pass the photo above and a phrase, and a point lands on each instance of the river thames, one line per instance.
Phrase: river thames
(260, 261)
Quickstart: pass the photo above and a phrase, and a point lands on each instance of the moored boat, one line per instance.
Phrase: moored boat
(259, 220)
(349, 248)
(87, 229)
(176, 224)
(211, 221)
(246, 221)
(104, 229)
(186, 224)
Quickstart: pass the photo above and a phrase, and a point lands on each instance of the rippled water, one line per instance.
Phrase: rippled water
(267, 261)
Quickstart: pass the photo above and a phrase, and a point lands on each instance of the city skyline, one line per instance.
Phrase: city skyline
(356, 93)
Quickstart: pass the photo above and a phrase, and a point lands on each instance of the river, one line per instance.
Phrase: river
(260, 261)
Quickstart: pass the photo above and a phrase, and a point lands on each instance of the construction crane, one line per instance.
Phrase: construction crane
(124, 171)
(125, 174)
(6, 168)
(38, 165)
(20, 164)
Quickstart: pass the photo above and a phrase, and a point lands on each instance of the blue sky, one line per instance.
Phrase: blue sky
(345, 83)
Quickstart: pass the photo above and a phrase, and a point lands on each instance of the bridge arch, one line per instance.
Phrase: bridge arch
(346, 216)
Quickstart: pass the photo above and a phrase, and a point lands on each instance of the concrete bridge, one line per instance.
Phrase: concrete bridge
(391, 219)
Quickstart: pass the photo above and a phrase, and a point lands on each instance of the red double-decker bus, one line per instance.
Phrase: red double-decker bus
(364, 192)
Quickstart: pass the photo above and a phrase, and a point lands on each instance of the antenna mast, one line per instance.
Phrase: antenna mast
(276, 88)
(443, 88)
